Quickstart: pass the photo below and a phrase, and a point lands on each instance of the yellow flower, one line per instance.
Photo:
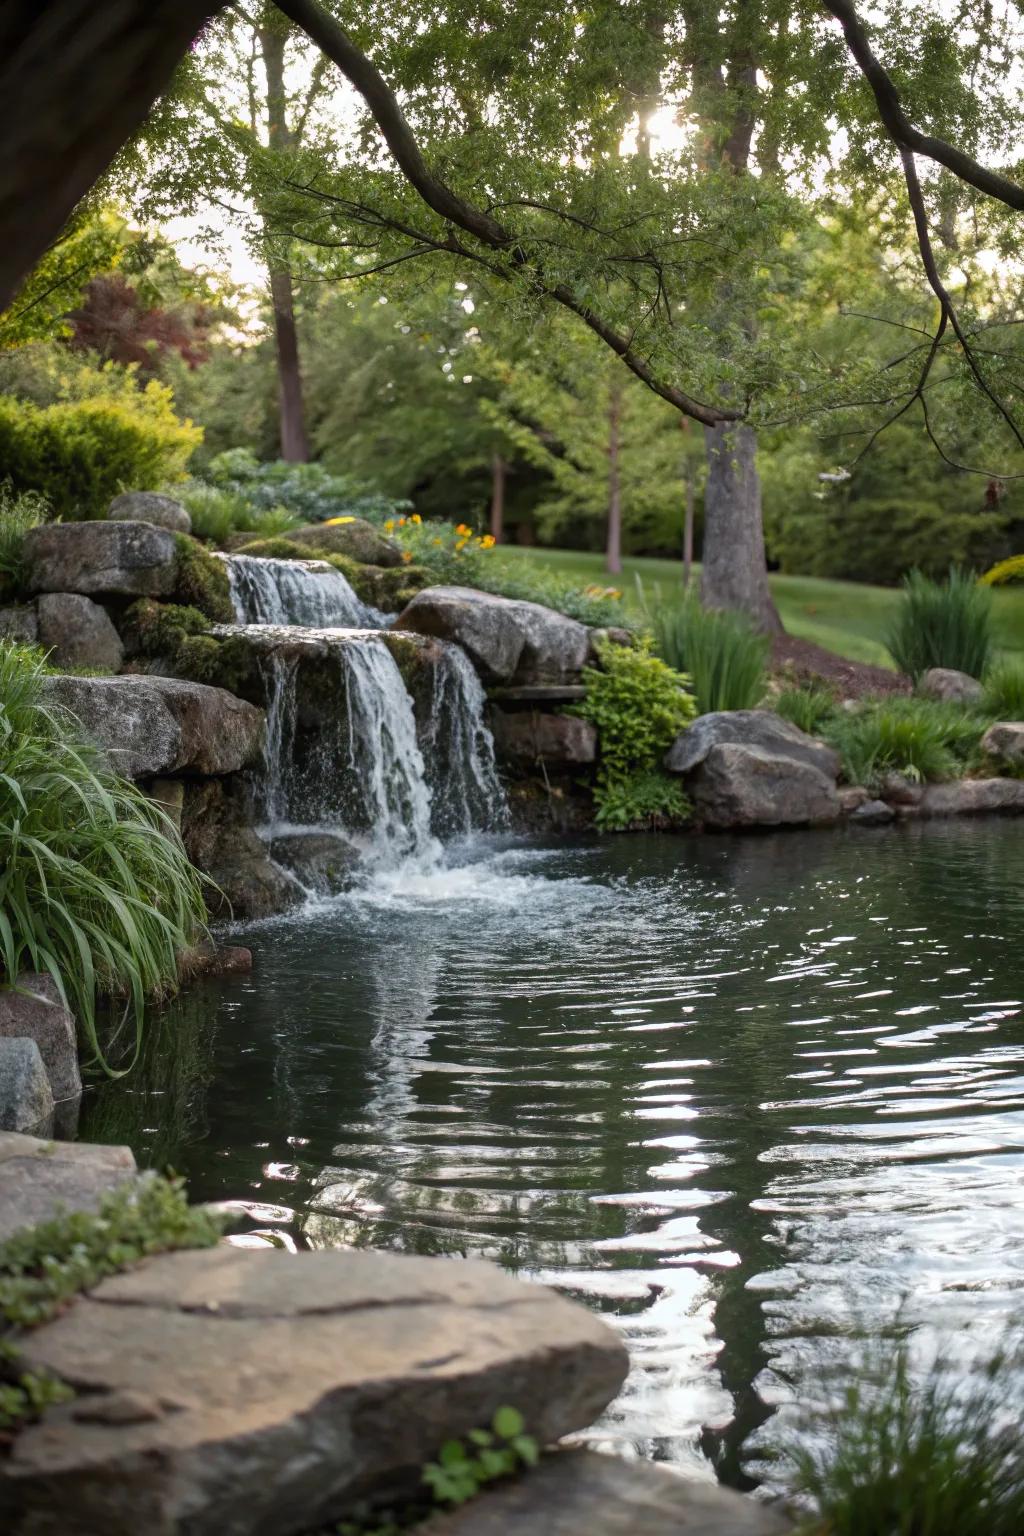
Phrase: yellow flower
(488, 541)
(389, 526)
(407, 556)
(460, 545)
(415, 518)
(335, 522)
(438, 542)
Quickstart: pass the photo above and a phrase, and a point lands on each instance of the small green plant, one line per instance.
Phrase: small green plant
(942, 624)
(462, 1469)
(809, 708)
(897, 1459)
(639, 705)
(719, 651)
(202, 581)
(18, 514)
(43, 1267)
(217, 512)
(1004, 690)
(920, 738)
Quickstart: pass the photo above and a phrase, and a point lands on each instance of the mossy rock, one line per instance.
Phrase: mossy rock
(386, 588)
(149, 628)
(357, 539)
(202, 581)
(177, 638)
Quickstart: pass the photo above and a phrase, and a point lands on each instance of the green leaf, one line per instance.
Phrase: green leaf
(508, 1422)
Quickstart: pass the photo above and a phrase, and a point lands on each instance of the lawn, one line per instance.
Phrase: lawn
(844, 616)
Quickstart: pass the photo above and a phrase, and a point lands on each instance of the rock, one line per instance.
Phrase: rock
(948, 686)
(321, 862)
(746, 786)
(152, 726)
(554, 739)
(537, 695)
(33, 1008)
(873, 813)
(581, 1493)
(78, 632)
(114, 559)
(149, 507)
(19, 622)
(359, 540)
(897, 789)
(40, 1178)
(1005, 742)
(26, 1100)
(506, 640)
(169, 795)
(852, 797)
(288, 1386)
(220, 842)
(214, 960)
(760, 728)
(973, 797)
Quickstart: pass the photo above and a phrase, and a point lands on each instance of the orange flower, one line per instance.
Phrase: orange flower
(407, 556)
(466, 533)
(488, 541)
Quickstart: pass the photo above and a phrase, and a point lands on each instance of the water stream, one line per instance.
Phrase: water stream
(305, 592)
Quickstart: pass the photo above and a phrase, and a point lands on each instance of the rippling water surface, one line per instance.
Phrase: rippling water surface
(743, 1095)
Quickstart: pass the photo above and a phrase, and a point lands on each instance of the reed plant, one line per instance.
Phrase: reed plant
(920, 738)
(18, 514)
(942, 624)
(1004, 690)
(723, 656)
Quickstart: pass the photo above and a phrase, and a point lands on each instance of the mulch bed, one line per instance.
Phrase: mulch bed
(801, 661)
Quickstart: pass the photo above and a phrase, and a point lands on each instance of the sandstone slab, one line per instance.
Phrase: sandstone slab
(581, 1493)
(260, 1393)
(26, 1099)
(33, 1009)
(154, 726)
(19, 622)
(948, 686)
(102, 558)
(78, 632)
(974, 797)
(1005, 742)
(40, 1178)
(506, 640)
(747, 786)
(560, 740)
(760, 728)
(150, 507)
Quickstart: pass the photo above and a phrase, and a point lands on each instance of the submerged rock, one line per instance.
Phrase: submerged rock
(39, 1178)
(115, 559)
(26, 1100)
(33, 1008)
(760, 728)
(739, 785)
(947, 685)
(1005, 742)
(149, 726)
(507, 640)
(273, 1391)
(78, 632)
(325, 864)
(358, 539)
(560, 740)
(873, 813)
(150, 507)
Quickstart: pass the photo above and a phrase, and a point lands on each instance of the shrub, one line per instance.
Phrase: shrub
(217, 512)
(1004, 690)
(639, 705)
(18, 513)
(942, 624)
(1005, 572)
(720, 652)
(942, 1459)
(809, 708)
(923, 739)
(308, 491)
(95, 888)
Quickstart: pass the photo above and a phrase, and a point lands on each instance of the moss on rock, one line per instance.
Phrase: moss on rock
(202, 581)
(386, 588)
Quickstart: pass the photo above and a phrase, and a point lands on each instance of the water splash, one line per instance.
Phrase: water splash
(310, 593)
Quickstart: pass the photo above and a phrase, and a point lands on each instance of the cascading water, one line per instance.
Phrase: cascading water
(307, 592)
(459, 752)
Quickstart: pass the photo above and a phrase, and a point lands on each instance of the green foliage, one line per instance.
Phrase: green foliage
(942, 624)
(639, 705)
(897, 1459)
(808, 708)
(461, 1470)
(90, 243)
(18, 513)
(719, 651)
(202, 582)
(95, 887)
(1004, 690)
(79, 454)
(43, 1267)
(1006, 572)
(217, 512)
(921, 738)
(308, 491)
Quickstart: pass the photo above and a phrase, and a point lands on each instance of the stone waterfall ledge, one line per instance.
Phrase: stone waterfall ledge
(240, 1393)
(40, 1178)
(506, 640)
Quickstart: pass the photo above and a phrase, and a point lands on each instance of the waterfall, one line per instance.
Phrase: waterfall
(459, 752)
(306, 592)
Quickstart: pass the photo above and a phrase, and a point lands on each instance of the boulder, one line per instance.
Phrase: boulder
(852, 797)
(359, 540)
(19, 622)
(26, 1100)
(738, 785)
(78, 632)
(149, 507)
(973, 797)
(897, 789)
(210, 959)
(559, 740)
(33, 1008)
(506, 640)
(40, 1178)
(220, 841)
(324, 864)
(1005, 742)
(948, 686)
(113, 559)
(581, 1493)
(873, 813)
(152, 726)
(228, 1391)
(760, 728)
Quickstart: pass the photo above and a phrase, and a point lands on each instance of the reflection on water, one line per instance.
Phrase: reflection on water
(739, 1094)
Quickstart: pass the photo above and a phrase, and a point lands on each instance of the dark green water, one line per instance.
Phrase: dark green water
(743, 1095)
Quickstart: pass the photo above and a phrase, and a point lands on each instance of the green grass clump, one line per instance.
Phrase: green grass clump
(720, 652)
(1004, 690)
(939, 1459)
(942, 624)
(218, 511)
(95, 887)
(809, 708)
(923, 739)
(18, 514)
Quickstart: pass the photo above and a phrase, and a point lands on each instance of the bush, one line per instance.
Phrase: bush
(1003, 574)
(217, 512)
(809, 708)
(95, 887)
(80, 454)
(922, 739)
(639, 705)
(720, 652)
(18, 513)
(308, 491)
(1004, 690)
(942, 624)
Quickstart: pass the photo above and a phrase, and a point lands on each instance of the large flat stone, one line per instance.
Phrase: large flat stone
(506, 640)
(973, 797)
(38, 1178)
(358, 539)
(78, 632)
(752, 728)
(747, 786)
(580, 1493)
(240, 1393)
(33, 1009)
(26, 1099)
(152, 726)
(116, 559)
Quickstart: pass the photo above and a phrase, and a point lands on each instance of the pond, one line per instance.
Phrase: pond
(747, 1096)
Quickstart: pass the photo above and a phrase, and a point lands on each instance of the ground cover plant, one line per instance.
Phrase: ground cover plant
(942, 624)
(95, 887)
(19, 512)
(1004, 690)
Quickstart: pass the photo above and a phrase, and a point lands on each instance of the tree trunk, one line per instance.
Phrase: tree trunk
(735, 572)
(613, 544)
(498, 471)
(294, 442)
(76, 80)
(691, 498)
